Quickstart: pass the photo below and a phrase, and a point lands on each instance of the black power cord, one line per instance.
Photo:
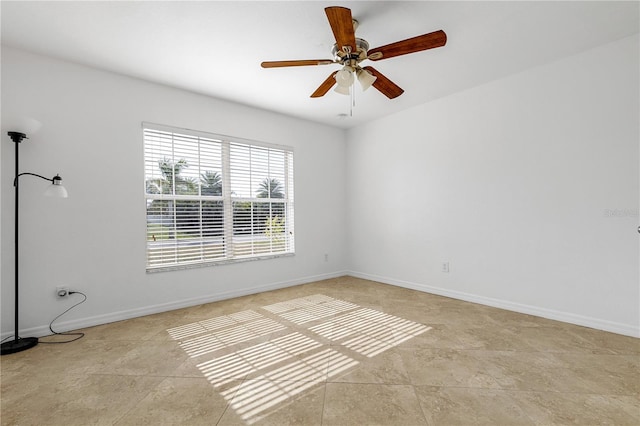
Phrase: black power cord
(77, 335)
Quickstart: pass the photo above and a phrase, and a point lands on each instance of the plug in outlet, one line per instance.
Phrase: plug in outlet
(62, 291)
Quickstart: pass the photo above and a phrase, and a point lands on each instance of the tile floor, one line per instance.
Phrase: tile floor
(337, 352)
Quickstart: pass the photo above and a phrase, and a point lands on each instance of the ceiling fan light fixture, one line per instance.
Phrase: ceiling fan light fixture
(344, 78)
(343, 90)
(366, 79)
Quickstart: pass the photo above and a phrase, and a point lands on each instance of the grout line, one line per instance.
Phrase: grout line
(324, 400)
(415, 392)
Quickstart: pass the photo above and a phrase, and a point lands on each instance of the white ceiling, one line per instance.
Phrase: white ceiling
(215, 47)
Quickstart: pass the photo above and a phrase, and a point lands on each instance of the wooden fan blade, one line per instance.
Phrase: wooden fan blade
(342, 26)
(410, 45)
(325, 86)
(277, 64)
(384, 85)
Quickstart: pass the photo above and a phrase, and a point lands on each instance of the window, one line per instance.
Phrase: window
(213, 199)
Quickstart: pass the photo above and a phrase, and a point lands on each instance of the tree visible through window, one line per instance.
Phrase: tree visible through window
(212, 199)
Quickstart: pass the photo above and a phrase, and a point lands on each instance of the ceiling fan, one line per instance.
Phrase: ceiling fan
(349, 51)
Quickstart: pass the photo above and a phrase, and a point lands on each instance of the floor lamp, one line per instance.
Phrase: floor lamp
(56, 189)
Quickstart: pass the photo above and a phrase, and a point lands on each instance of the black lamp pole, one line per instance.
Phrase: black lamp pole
(19, 344)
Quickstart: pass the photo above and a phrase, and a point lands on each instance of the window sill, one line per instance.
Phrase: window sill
(167, 268)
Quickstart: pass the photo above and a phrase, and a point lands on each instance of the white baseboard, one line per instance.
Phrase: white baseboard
(76, 324)
(597, 323)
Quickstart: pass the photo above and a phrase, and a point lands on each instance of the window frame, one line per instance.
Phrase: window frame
(230, 240)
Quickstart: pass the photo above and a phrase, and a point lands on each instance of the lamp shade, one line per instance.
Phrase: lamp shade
(26, 125)
(343, 90)
(344, 78)
(56, 189)
(366, 79)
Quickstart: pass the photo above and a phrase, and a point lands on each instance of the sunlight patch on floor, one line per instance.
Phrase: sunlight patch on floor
(369, 332)
(254, 398)
(326, 337)
(223, 331)
(238, 364)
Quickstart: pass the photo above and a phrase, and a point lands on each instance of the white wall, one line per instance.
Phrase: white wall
(94, 241)
(528, 186)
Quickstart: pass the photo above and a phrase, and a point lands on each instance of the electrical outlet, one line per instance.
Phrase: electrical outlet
(62, 291)
(445, 266)
(326, 257)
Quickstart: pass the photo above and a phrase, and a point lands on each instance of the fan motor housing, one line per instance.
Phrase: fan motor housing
(362, 46)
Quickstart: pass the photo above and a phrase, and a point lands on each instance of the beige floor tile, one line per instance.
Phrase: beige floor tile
(145, 358)
(615, 343)
(469, 406)
(386, 367)
(78, 357)
(556, 339)
(371, 404)
(455, 317)
(65, 399)
(510, 320)
(605, 382)
(628, 365)
(494, 338)
(443, 367)
(436, 336)
(534, 371)
(578, 409)
(178, 401)
(135, 329)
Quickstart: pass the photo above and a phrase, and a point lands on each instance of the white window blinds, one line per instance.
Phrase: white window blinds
(213, 199)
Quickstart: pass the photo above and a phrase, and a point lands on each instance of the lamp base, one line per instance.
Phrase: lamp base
(18, 345)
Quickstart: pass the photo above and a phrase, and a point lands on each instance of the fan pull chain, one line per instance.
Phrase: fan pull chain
(353, 99)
